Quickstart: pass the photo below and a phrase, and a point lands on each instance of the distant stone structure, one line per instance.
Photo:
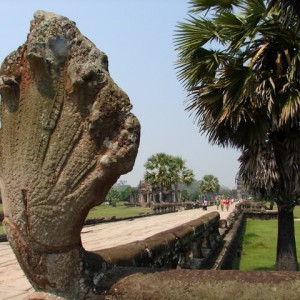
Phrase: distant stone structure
(67, 135)
(146, 194)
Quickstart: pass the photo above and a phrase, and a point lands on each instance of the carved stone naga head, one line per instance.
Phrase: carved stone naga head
(67, 135)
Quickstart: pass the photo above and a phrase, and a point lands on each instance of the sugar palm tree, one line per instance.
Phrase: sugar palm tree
(165, 171)
(157, 171)
(241, 66)
(209, 184)
(179, 173)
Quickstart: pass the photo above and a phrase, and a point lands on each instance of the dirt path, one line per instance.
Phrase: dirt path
(14, 285)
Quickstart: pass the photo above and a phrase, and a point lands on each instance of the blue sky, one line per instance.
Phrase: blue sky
(138, 37)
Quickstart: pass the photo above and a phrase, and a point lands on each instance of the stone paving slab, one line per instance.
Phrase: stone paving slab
(14, 284)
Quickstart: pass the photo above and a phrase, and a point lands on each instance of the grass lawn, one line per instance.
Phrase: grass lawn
(120, 211)
(259, 245)
(259, 241)
(297, 212)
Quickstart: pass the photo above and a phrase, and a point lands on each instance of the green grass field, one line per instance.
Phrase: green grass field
(297, 212)
(259, 245)
(119, 211)
(259, 241)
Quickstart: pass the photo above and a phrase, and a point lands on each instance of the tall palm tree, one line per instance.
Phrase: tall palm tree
(157, 171)
(165, 171)
(209, 184)
(241, 66)
(179, 173)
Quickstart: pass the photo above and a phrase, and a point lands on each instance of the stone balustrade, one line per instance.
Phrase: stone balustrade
(252, 205)
(187, 246)
(138, 270)
(122, 282)
(170, 207)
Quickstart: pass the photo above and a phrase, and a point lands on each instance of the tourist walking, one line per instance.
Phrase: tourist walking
(222, 203)
(204, 205)
(227, 204)
(217, 203)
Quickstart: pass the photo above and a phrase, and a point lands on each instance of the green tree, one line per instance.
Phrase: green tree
(192, 189)
(125, 193)
(185, 196)
(240, 62)
(167, 171)
(209, 185)
(113, 196)
(124, 190)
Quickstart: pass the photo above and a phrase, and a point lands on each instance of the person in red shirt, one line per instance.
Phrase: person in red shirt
(227, 203)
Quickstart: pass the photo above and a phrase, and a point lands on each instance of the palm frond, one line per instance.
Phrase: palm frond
(232, 28)
(256, 9)
(198, 6)
(291, 108)
(247, 95)
(289, 11)
(258, 169)
(200, 66)
(195, 33)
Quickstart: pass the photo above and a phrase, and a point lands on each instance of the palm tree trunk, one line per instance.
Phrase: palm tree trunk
(271, 204)
(286, 259)
(161, 193)
(176, 193)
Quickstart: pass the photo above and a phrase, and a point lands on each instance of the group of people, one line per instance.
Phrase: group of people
(220, 202)
(203, 204)
(223, 203)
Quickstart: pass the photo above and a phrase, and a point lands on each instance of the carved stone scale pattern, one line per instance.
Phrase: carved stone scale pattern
(67, 135)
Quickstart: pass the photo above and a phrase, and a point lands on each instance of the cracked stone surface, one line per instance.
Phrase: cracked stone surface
(67, 135)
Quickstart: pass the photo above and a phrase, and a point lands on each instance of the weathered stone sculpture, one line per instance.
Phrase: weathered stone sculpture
(67, 135)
